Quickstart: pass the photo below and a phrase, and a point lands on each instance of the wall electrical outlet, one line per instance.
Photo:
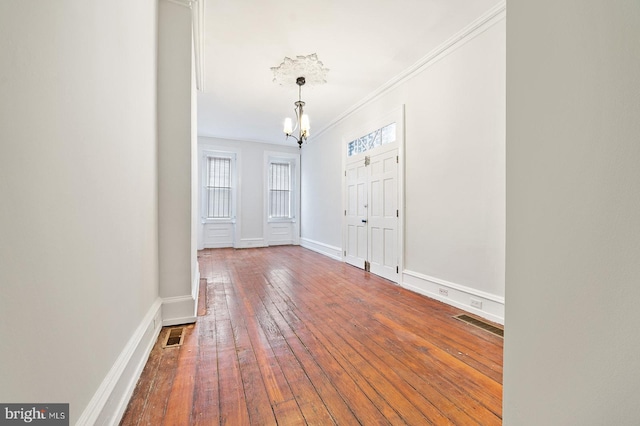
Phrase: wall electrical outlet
(475, 303)
(443, 292)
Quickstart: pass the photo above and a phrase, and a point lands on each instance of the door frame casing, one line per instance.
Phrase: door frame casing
(396, 115)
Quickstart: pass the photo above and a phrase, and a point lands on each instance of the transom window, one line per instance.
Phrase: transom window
(381, 136)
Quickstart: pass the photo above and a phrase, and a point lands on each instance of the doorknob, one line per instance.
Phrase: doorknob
(364, 220)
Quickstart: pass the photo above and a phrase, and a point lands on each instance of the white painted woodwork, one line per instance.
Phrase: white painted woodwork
(280, 233)
(356, 241)
(371, 204)
(218, 235)
(382, 222)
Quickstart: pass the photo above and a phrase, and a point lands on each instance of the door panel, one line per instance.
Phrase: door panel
(356, 212)
(383, 218)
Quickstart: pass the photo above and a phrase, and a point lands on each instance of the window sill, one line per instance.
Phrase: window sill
(281, 220)
(217, 221)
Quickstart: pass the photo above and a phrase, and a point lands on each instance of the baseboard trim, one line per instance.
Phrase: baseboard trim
(251, 243)
(110, 400)
(322, 248)
(282, 243)
(195, 284)
(217, 245)
(179, 310)
(458, 295)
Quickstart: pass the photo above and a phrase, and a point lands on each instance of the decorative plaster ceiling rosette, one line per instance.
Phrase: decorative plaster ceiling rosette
(309, 67)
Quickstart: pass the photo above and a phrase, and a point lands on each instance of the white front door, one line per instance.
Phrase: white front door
(371, 236)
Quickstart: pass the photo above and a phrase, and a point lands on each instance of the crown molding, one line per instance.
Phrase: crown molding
(259, 141)
(184, 3)
(475, 28)
(198, 25)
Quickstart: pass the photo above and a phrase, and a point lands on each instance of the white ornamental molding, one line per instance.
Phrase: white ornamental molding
(309, 67)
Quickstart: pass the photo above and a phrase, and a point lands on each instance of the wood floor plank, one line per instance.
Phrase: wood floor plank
(343, 377)
(338, 408)
(486, 387)
(357, 389)
(433, 404)
(287, 336)
(137, 406)
(265, 347)
(180, 402)
(158, 398)
(202, 300)
(311, 405)
(367, 315)
(257, 400)
(463, 348)
(405, 401)
(206, 408)
(233, 404)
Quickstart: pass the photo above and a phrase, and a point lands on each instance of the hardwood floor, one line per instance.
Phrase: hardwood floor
(287, 336)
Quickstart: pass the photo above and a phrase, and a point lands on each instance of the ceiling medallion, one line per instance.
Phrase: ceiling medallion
(308, 66)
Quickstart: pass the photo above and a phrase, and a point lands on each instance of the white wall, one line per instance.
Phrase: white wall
(454, 172)
(176, 155)
(78, 199)
(250, 226)
(573, 223)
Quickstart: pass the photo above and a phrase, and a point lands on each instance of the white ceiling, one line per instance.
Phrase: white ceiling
(364, 43)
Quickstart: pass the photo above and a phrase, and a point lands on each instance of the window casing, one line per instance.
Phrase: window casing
(280, 190)
(218, 188)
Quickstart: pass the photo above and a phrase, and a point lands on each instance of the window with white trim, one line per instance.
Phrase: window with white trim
(218, 187)
(280, 190)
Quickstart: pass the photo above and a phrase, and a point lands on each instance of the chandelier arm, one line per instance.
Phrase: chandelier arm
(295, 127)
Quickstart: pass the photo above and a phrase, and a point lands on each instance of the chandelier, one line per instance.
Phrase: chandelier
(302, 119)
(312, 72)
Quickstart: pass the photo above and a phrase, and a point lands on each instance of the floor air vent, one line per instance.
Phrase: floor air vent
(480, 324)
(174, 337)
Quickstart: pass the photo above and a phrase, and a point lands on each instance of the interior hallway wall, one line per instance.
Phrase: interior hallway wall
(78, 198)
(454, 162)
(573, 213)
